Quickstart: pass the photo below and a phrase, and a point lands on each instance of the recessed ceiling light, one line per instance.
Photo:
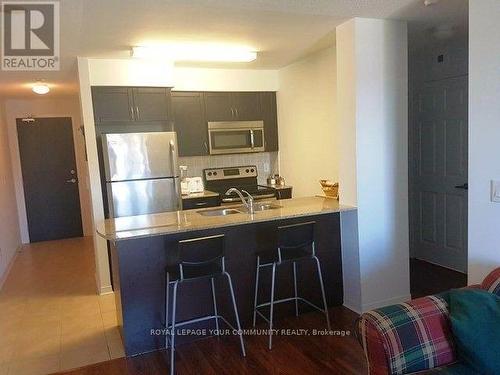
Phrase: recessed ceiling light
(196, 52)
(40, 88)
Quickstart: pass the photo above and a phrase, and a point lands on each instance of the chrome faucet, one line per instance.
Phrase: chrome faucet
(248, 203)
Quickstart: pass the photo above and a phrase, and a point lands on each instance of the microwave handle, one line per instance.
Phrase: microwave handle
(252, 140)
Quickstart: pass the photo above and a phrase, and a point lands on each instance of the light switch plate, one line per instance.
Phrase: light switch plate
(495, 191)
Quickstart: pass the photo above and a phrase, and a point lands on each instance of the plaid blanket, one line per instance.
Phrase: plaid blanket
(415, 335)
(492, 282)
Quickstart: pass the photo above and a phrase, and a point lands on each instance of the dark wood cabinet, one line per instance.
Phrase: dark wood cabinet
(270, 117)
(131, 104)
(232, 106)
(151, 103)
(247, 106)
(142, 109)
(188, 112)
(219, 106)
(113, 104)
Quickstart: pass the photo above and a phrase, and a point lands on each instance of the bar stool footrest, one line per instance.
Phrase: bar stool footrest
(200, 319)
(288, 300)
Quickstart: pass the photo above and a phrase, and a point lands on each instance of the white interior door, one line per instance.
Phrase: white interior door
(439, 184)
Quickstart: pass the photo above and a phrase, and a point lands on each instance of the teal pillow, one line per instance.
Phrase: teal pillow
(475, 321)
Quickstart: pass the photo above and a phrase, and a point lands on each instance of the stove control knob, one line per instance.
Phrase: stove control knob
(247, 170)
(209, 173)
(252, 170)
(215, 173)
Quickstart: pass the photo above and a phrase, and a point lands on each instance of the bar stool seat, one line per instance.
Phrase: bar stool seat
(269, 257)
(194, 271)
(197, 259)
(295, 243)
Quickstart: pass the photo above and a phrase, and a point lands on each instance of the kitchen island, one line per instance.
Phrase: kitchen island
(140, 251)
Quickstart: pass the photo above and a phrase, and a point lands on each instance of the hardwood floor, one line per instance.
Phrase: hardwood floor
(427, 278)
(50, 294)
(290, 354)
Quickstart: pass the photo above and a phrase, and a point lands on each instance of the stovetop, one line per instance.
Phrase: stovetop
(221, 180)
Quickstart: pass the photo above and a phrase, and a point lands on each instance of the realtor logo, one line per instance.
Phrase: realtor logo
(30, 39)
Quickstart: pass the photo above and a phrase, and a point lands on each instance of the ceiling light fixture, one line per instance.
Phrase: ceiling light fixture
(430, 2)
(40, 88)
(196, 52)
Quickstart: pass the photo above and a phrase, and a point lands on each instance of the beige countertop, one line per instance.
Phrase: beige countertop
(278, 187)
(165, 223)
(204, 194)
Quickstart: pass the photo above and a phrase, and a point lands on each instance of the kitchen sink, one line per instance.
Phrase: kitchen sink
(257, 207)
(265, 206)
(220, 212)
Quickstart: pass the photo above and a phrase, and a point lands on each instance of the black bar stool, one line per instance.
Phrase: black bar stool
(197, 258)
(295, 243)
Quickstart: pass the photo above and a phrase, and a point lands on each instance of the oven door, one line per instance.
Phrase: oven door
(233, 138)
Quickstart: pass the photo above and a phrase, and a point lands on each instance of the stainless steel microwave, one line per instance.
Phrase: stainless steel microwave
(232, 137)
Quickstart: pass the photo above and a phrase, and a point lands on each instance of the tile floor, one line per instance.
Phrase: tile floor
(51, 318)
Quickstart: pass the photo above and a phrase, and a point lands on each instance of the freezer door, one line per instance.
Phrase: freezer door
(129, 198)
(133, 156)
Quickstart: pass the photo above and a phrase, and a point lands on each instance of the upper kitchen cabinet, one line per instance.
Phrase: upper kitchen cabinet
(219, 106)
(270, 117)
(192, 111)
(112, 104)
(189, 123)
(247, 106)
(151, 103)
(232, 106)
(130, 104)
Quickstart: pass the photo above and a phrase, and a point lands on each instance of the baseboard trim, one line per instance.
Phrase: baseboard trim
(387, 302)
(106, 290)
(352, 307)
(3, 279)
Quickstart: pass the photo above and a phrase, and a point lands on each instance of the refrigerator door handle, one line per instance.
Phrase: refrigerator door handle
(173, 158)
(178, 197)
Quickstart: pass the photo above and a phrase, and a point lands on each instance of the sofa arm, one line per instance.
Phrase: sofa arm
(408, 337)
(492, 282)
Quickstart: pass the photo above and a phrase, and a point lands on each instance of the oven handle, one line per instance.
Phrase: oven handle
(252, 141)
(255, 197)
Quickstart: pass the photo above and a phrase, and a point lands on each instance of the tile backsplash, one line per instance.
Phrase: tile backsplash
(266, 162)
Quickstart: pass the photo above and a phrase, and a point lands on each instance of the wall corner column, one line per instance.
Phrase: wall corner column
(372, 105)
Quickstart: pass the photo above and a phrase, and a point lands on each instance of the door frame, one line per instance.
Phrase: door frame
(71, 110)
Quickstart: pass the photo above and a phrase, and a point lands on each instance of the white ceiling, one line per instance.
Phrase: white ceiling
(281, 30)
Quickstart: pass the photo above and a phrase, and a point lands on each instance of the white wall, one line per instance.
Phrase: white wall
(308, 132)
(373, 129)
(146, 73)
(130, 72)
(136, 72)
(10, 237)
(46, 107)
(199, 79)
(484, 136)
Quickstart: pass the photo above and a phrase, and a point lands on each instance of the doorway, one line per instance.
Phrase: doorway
(438, 162)
(50, 180)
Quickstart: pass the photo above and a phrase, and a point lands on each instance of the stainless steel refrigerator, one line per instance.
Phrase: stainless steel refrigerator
(141, 173)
